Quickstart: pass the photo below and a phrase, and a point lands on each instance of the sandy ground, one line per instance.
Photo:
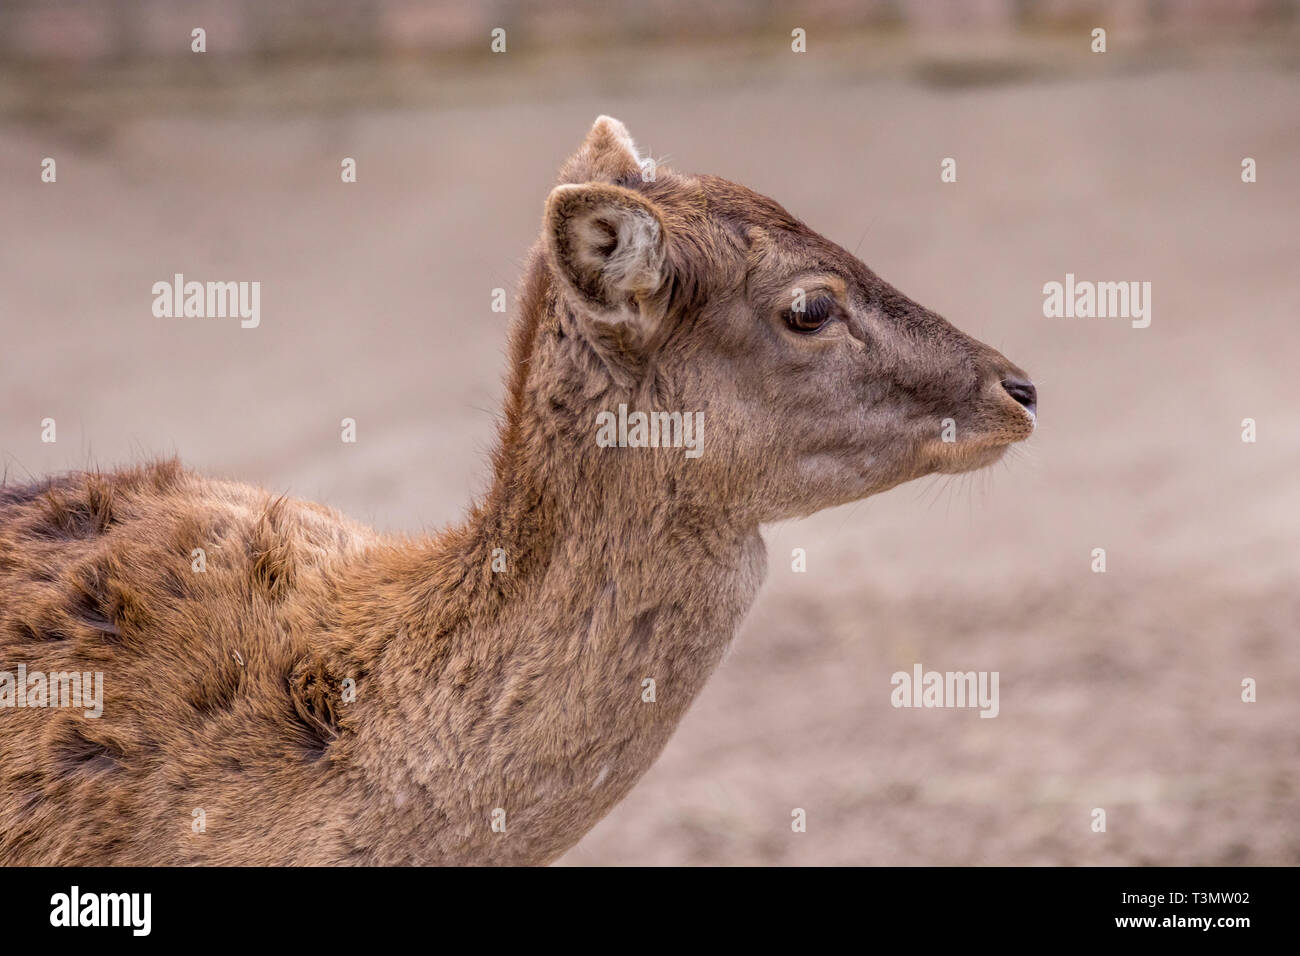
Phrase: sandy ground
(1118, 690)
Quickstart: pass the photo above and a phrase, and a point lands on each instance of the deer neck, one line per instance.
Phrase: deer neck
(550, 646)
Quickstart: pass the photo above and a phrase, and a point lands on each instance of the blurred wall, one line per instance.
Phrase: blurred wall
(98, 30)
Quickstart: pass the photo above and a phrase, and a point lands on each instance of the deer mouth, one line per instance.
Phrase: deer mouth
(984, 442)
(1015, 428)
(955, 458)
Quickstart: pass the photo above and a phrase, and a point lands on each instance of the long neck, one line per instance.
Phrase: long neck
(536, 660)
(551, 700)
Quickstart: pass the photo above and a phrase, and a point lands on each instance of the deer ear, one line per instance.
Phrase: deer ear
(606, 155)
(608, 248)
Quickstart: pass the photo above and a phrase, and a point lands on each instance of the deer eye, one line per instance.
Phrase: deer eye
(812, 318)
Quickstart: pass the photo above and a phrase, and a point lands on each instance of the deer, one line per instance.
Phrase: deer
(284, 686)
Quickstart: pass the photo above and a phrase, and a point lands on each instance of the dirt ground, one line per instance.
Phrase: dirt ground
(1119, 691)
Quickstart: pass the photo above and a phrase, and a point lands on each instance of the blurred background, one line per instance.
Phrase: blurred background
(1119, 690)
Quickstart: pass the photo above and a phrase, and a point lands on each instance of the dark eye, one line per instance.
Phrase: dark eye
(813, 317)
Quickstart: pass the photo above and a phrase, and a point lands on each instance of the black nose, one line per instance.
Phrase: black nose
(1023, 391)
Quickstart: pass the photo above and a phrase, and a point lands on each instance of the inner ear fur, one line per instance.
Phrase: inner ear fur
(608, 247)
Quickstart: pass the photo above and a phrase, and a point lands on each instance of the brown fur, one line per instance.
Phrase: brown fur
(475, 689)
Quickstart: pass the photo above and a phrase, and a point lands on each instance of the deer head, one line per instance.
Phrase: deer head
(818, 382)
